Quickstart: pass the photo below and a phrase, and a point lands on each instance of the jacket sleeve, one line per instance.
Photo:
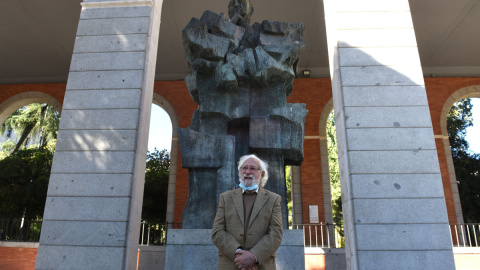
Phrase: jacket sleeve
(224, 241)
(269, 243)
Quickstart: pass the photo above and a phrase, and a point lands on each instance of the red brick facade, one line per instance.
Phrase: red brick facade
(17, 258)
(315, 93)
(438, 92)
(176, 93)
(56, 90)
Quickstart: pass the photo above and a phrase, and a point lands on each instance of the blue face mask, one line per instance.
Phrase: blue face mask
(252, 187)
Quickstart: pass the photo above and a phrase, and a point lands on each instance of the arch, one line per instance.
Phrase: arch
(12, 104)
(462, 93)
(172, 176)
(327, 193)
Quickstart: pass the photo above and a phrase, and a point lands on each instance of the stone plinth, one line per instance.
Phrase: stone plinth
(193, 249)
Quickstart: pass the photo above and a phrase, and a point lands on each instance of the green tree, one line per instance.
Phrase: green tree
(35, 120)
(466, 163)
(156, 186)
(24, 179)
(334, 171)
(288, 178)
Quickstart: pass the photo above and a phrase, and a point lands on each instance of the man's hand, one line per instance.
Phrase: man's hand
(245, 259)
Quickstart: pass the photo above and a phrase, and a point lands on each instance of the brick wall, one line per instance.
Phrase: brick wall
(176, 92)
(438, 91)
(315, 93)
(17, 258)
(56, 90)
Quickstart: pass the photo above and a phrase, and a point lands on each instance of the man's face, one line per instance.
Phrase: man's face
(250, 173)
(240, 7)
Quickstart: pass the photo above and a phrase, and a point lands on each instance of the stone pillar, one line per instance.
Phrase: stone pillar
(393, 201)
(297, 211)
(453, 177)
(93, 209)
(172, 180)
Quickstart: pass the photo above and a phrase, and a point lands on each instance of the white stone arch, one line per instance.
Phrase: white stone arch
(462, 93)
(172, 176)
(12, 104)
(327, 193)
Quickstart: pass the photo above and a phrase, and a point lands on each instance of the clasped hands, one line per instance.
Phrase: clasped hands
(245, 260)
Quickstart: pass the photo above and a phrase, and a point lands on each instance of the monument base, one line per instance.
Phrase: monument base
(191, 249)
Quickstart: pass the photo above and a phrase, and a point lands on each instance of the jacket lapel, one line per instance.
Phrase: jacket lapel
(238, 202)
(261, 199)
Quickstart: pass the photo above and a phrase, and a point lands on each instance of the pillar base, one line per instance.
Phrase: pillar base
(187, 249)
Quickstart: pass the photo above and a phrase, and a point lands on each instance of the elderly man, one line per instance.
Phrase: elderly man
(248, 226)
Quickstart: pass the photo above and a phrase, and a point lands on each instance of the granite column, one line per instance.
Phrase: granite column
(393, 201)
(93, 209)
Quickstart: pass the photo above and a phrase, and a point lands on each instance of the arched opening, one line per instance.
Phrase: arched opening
(466, 161)
(290, 199)
(172, 177)
(160, 176)
(154, 208)
(463, 164)
(327, 195)
(21, 106)
(12, 104)
(334, 174)
(330, 178)
(27, 143)
(34, 125)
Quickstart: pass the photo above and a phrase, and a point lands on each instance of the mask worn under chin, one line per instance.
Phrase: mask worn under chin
(252, 187)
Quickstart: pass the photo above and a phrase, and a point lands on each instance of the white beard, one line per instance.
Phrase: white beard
(249, 180)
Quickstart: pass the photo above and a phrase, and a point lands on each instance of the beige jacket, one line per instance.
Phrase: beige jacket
(265, 229)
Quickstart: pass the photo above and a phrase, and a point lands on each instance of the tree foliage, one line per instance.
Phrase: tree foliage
(24, 182)
(466, 163)
(156, 186)
(458, 120)
(24, 173)
(334, 170)
(36, 121)
(24, 178)
(288, 182)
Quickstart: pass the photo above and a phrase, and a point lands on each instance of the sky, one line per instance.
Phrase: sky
(160, 135)
(161, 129)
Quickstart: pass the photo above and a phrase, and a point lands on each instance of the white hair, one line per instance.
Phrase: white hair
(263, 167)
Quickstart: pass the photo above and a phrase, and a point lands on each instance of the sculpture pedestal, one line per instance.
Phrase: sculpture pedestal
(291, 253)
(189, 249)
